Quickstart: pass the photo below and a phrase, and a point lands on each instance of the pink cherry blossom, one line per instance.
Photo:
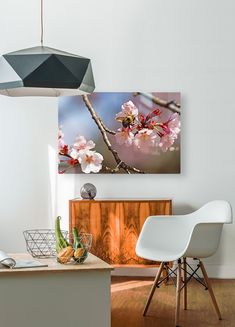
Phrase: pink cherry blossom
(74, 153)
(90, 161)
(171, 129)
(166, 141)
(124, 136)
(128, 109)
(145, 140)
(81, 144)
(61, 144)
(174, 124)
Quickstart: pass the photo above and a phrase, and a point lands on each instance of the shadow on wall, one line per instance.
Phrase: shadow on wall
(182, 209)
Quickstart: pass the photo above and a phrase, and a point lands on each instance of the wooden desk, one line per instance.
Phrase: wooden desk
(115, 226)
(57, 295)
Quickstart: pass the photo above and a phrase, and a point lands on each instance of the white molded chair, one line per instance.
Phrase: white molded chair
(171, 238)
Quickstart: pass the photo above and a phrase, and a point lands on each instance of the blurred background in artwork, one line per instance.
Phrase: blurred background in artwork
(75, 119)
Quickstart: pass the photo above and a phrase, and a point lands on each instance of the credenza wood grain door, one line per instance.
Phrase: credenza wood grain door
(115, 226)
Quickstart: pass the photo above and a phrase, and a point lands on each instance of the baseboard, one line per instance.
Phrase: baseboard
(220, 271)
(137, 272)
(213, 271)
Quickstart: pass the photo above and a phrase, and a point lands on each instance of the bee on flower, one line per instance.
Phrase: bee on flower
(128, 114)
(146, 132)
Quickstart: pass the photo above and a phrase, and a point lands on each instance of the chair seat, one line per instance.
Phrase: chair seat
(161, 255)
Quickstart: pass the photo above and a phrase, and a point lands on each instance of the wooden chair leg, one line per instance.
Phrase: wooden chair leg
(208, 284)
(185, 285)
(157, 278)
(164, 274)
(178, 289)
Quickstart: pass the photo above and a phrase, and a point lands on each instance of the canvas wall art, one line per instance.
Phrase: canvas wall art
(120, 132)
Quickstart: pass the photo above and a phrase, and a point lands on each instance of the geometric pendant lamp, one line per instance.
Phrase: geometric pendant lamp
(43, 71)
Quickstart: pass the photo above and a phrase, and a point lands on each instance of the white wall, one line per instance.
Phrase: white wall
(182, 45)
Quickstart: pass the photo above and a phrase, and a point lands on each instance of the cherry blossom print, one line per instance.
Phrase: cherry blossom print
(91, 162)
(166, 142)
(136, 140)
(128, 114)
(124, 136)
(145, 140)
(81, 144)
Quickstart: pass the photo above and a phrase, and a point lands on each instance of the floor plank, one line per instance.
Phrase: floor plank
(129, 295)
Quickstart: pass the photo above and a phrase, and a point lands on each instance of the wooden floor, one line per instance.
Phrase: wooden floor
(129, 295)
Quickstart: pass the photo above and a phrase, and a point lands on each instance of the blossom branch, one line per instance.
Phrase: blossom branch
(104, 131)
(106, 128)
(171, 105)
(113, 170)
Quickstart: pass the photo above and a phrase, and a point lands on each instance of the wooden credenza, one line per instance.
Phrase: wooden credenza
(115, 226)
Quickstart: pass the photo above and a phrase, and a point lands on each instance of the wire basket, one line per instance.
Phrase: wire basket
(40, 243)
(75, 255)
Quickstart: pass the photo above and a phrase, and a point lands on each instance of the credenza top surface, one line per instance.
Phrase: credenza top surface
(121, 200)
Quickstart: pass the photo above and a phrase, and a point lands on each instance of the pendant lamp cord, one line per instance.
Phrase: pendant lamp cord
(42, 23)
